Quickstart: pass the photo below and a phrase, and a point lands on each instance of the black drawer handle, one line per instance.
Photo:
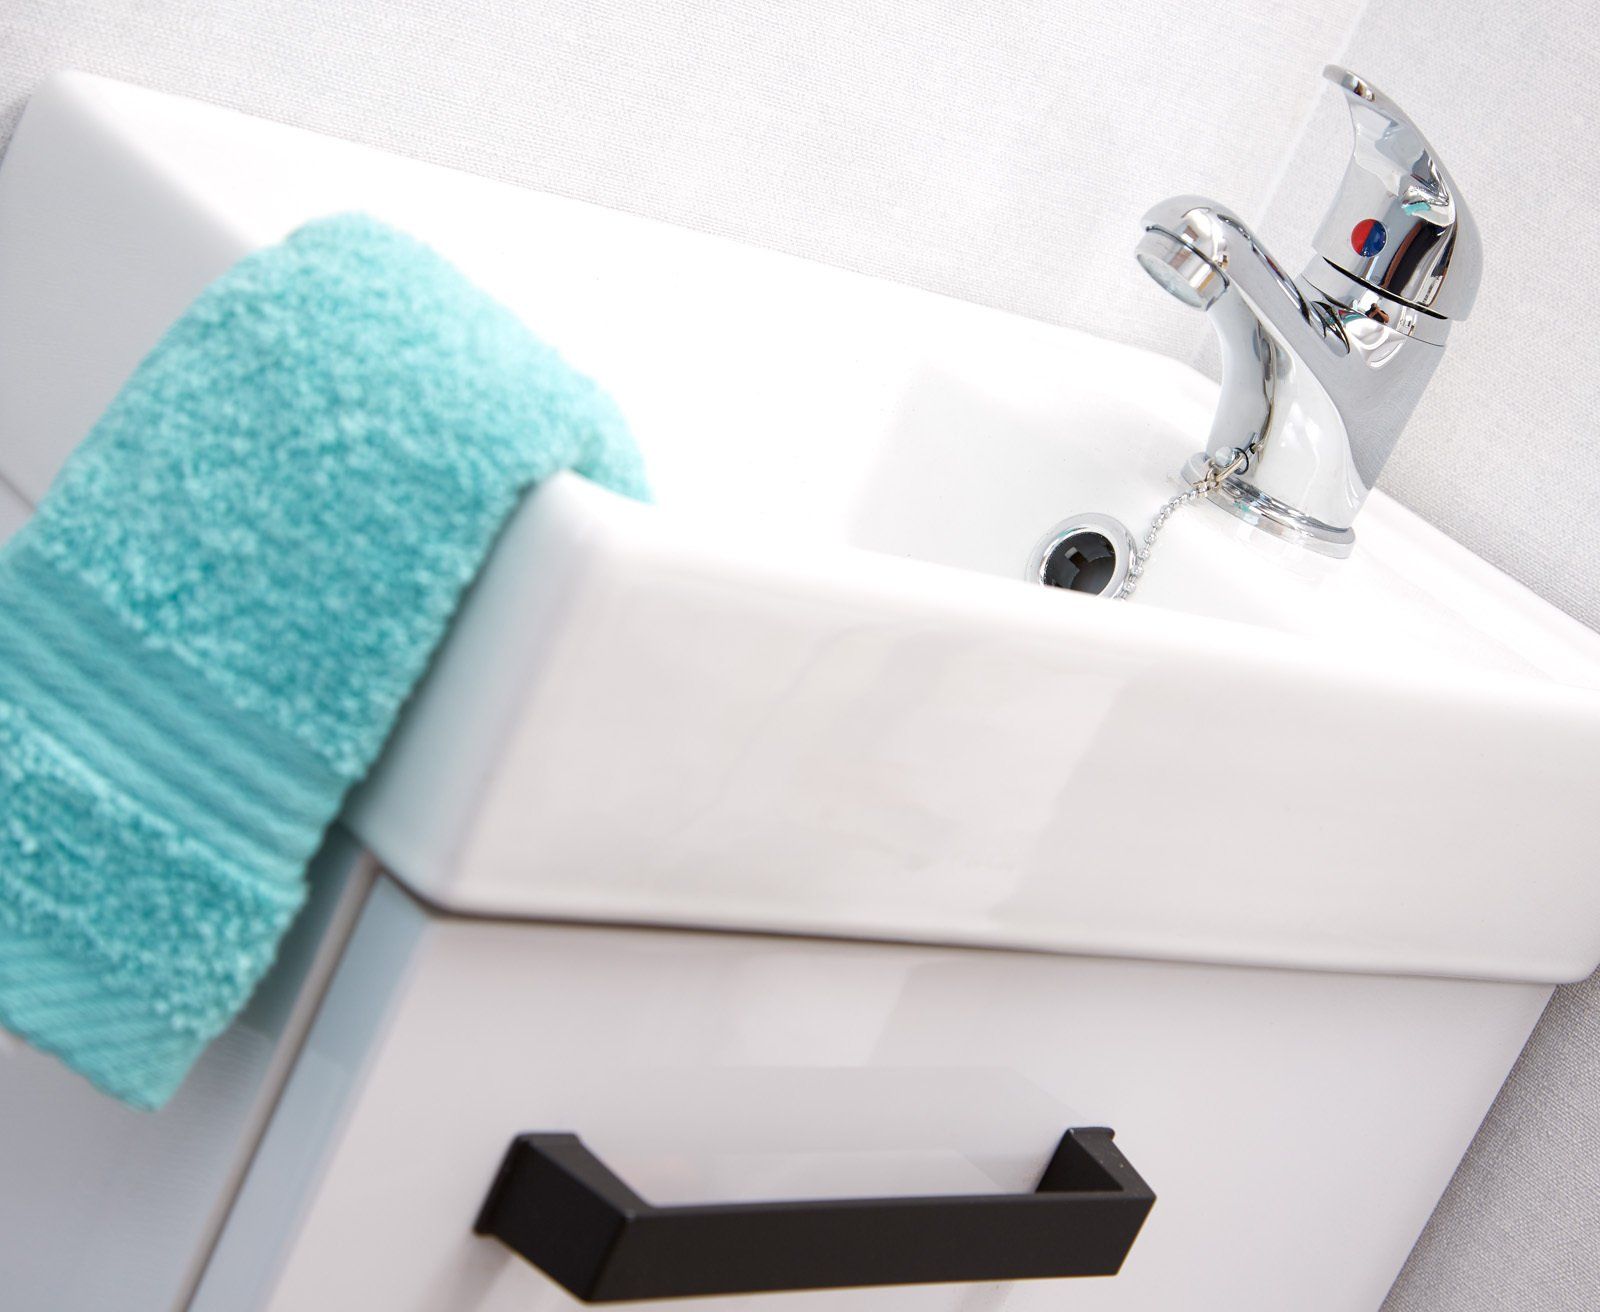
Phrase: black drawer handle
(555, 1203)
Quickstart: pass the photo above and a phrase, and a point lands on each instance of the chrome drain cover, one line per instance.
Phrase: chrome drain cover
(1084, 553)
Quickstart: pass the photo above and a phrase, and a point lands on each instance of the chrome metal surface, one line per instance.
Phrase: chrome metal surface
(1255, 507)
(1320, 373)
(1430, 256)
(1112, 530)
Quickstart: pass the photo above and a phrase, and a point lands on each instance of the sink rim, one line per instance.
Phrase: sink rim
(918, 833)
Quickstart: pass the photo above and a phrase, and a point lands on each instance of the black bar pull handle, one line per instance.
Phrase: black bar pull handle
(557, 1205)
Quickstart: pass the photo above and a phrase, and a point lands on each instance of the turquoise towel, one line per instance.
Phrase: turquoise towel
(211, 623)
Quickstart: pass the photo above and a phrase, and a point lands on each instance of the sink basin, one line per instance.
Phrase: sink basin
(808, 691)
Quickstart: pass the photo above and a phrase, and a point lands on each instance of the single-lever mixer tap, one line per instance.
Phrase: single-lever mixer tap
(1321, 372)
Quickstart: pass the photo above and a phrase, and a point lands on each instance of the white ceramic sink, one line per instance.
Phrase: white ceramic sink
(807, 691)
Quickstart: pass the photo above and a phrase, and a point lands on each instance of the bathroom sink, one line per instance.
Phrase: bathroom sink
(809, 691)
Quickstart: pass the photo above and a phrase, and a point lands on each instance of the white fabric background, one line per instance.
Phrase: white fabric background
(1001, 152)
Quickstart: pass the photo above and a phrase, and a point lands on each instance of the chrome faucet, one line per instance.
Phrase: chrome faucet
(1321, 372)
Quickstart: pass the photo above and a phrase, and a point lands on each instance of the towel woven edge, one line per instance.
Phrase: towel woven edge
(61, 1003)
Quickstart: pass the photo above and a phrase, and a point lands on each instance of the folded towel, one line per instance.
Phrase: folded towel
(209, 626)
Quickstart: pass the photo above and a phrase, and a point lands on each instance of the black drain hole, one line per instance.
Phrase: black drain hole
(1083, 561)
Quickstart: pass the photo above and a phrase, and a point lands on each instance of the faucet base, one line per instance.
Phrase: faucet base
(1244, 500)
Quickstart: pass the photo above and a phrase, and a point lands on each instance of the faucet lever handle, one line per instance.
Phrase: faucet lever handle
(1398, 222)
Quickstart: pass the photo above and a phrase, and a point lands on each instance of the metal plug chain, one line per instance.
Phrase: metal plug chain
(1221, 465)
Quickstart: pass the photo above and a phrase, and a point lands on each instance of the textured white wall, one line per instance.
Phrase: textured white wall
(1002, 153)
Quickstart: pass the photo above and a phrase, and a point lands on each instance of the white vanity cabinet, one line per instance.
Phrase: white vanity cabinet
(1296, 1126)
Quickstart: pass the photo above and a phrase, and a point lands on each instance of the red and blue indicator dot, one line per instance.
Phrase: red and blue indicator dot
(1367, 237)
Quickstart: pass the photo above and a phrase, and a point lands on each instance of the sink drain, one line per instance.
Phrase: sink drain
(1086, 553)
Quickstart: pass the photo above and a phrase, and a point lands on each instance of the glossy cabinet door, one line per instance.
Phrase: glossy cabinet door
(1296, 1127)
(107, 1209)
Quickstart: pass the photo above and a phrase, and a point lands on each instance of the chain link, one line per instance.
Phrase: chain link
(1202, 486)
